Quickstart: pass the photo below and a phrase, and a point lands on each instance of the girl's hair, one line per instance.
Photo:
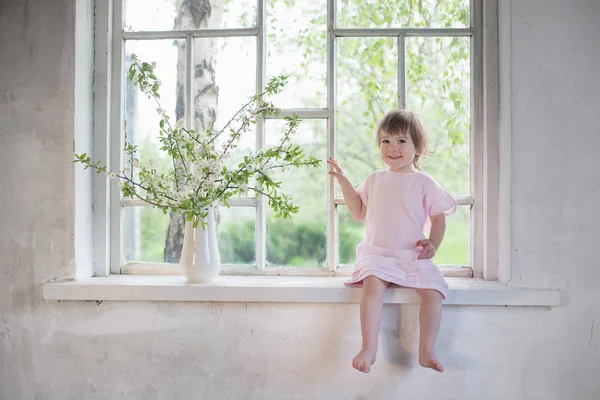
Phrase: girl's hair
(407, 122)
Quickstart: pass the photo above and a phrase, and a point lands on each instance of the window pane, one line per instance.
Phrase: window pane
(222, 87)
(351, 233)
(141, 119)
(439, 89)
(367, 88)
(297, 47)
(455, 246)
(403, 14)
(166, 15)
(144, 234)
(237, 236)
(300, 241)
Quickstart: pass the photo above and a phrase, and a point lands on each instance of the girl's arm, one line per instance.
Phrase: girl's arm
(436, 234)
(353, 201)
(438, 228)
(355, 205)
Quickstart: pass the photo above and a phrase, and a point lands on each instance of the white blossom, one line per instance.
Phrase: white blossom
(178, 196)
(243, 188)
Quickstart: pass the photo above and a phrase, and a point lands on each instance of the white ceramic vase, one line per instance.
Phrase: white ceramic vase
(200, 258)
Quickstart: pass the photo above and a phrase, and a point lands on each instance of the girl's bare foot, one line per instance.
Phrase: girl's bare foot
(364, 360)
(429, 361)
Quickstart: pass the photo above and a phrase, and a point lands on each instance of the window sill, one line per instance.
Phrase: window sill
(282, 289)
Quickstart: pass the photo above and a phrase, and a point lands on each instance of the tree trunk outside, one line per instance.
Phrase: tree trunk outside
(195, 14)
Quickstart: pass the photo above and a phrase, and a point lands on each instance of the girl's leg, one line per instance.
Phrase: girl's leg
(430, 316)
(371, 309)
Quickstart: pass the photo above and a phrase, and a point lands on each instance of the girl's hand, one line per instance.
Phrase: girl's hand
(337, 171)
(427, 249)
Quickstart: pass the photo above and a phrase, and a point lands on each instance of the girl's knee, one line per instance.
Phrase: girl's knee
(429, 295)
(374, 283)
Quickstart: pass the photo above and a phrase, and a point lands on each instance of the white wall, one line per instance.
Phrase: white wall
(84, 350)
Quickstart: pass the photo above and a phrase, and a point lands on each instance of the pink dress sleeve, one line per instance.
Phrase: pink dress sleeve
(437, 200)
(364, 189)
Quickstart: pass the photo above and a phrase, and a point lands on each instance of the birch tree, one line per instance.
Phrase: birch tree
(192, 15)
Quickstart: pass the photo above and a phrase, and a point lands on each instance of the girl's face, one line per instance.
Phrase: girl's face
(397, 152)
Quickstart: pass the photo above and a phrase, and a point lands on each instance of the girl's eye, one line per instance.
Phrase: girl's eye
(385, 141)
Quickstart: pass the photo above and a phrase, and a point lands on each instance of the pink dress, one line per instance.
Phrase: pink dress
(398, 209)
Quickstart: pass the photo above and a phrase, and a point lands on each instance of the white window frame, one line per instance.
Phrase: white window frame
(484, 135)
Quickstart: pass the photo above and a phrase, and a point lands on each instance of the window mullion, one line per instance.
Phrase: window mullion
(115, 154)
(182, 34)
(332, 215)
(491, 146)
(302, 113)
(261, 209)
(189, 81)
(477, 139)
(395, 32)
(402, 71)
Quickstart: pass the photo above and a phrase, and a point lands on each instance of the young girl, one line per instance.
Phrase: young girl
(395, 204)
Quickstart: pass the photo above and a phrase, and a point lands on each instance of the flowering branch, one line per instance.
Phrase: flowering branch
(209, 181)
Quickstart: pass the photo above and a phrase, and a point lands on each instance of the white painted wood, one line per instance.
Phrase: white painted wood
(234, 202)
(261, 77)
(464, 200)
(477, 139)
(332, 211)
(149, 268)
(491, 162)
(116, 137)
(282, 289)
(504, 141)
(189, 82)
(205, 33)
(401, 71)
(303, 113)
(101, 139)
(240, 32)
(395, 32)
